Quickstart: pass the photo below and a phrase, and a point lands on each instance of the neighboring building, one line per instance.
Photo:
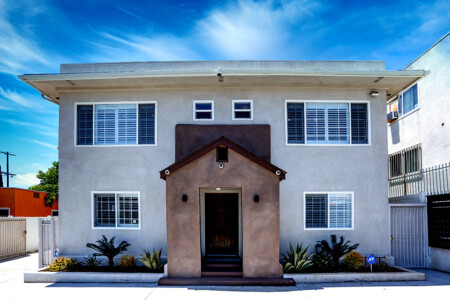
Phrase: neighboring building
(419, 161)
(254, 154)
(15, 202)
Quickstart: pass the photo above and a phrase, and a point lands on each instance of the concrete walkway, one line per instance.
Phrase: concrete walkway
(12, 287)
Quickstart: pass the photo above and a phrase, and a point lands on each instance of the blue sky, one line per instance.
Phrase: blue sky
(38, 35)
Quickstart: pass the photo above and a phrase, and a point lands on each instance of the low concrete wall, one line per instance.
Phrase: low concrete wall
(91, 277)
(406, 275)
(440, 259)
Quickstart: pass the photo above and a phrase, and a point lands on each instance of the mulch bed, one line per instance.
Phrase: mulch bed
(115, 269)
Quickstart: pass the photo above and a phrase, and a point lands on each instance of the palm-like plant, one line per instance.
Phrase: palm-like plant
(108, 249)
(297, 259)
(337, 249)
(152, 261)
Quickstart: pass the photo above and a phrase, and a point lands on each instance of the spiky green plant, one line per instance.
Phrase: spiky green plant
(152, 260)
(337, 249)
(91, 261)
(108, 249)
(297, 259)
(322, 261)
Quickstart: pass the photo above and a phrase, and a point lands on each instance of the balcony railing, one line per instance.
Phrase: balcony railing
(433, 181)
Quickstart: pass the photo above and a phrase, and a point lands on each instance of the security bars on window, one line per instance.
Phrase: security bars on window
(116, 210)
(327, 123)
(406, 161)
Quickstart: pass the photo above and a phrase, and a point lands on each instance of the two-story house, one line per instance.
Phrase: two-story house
(223, 158)
(419, 163)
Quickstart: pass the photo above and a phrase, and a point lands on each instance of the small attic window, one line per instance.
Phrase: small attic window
(36, 195)
(222, 153)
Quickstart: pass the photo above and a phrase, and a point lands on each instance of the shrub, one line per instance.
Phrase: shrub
(353, 261)
(91, 261)
(297, 259)
(62, 264)
(108, 249)
(322, 261)
(127, 261)
(381, 267)
(336, 250)
(152, 260)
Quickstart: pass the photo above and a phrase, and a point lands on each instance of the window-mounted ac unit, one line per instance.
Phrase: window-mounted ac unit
(392, 116)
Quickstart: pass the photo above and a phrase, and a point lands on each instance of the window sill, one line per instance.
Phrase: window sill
(308, 229)
(106, 146)
(116, 228)
(404, 116)
(328, 145)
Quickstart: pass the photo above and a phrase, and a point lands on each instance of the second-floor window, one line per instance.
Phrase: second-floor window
(203, 110)
(116, 124)
(406, 161)
(406, 102)
(326, 123)
(242, 109)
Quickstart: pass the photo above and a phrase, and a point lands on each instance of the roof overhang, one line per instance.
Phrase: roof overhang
(52, 85)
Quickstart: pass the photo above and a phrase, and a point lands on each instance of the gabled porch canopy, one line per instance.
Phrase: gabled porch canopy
(222, 141)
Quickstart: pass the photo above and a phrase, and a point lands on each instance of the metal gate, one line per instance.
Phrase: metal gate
(12, 237)
(408, 235)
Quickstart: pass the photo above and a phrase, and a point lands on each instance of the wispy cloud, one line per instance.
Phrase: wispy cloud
(15, 99)
(37, 127)
(130, 13)
(24, 180)
(44, 144)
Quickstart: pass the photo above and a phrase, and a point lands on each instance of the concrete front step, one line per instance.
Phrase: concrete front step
(226, 281)
(221, 274)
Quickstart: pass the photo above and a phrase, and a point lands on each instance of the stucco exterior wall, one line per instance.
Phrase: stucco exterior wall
(361, 169)
(429, 124)
(260, 221)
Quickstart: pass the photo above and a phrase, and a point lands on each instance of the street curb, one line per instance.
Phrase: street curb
(91, 277)
(405, 275)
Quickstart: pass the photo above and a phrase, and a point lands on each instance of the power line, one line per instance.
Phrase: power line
(7, 167)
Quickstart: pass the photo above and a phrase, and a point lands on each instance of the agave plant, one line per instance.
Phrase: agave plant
(152, 260)
(322, 261)
(108, 249)
(91, 261)
(337, 249)
(297, 259)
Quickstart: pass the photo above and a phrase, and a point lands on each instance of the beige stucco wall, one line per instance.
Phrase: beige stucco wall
(360, 168)
(260, 221)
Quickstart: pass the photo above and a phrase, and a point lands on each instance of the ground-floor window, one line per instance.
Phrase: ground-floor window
(116, 210)
(328, 210)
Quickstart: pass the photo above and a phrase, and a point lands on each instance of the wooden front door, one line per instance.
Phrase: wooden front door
(221, 224)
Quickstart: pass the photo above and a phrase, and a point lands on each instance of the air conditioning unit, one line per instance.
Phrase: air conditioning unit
(392, 116)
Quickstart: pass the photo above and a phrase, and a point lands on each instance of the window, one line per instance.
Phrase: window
(4, 212)
(326, 123)
(406, 101)
(116, 210)
(242, 109)
(222, 154)
(203, 110)
(332, 210)
(35, 195)
(116, 124)
(406, 161)
(54, 213)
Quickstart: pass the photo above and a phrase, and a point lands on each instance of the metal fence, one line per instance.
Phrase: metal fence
(48, 240)
(12, 237)
(433, 181)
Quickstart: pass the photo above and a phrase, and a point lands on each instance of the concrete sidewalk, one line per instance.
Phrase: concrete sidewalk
(13, 287)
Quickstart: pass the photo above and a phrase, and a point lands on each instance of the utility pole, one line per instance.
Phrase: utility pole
(7, 167)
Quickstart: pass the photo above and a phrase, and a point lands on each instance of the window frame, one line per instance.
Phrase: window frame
(116, 193)
(352, 194)
(194, 110)
(233, 110)
(349, 102)
(397, 98)
(75, 123)
(9, 211)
